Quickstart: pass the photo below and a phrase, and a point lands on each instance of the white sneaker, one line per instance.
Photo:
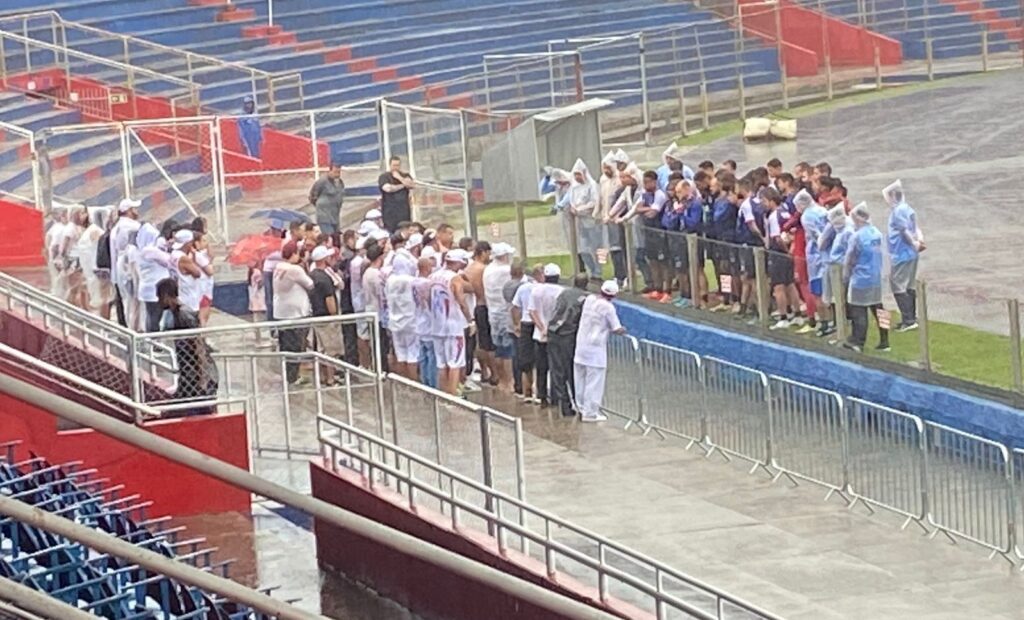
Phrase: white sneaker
(600, 417)
(471, 386)
(780, 324)
(798, 321)
(475, 375)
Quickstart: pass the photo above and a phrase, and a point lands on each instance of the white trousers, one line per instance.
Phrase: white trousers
(589, 389)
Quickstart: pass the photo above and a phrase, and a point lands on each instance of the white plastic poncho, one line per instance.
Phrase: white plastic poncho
(585, 198)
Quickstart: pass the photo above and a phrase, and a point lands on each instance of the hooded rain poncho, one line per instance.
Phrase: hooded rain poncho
(585, 198)
(249, 130)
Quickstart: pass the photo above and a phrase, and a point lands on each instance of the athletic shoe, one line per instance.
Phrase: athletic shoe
(475, 375)
(300, 382)
(520, 397)
(806, 329)
(718, 308)
(827, 331)
(851, 347)
(736, 309)
(780, 324)
(682, 302)
(907, 327)
(883, 347)
(653, 294)
(471, 386)
(600, 417)
(799, 321)
(666, 298)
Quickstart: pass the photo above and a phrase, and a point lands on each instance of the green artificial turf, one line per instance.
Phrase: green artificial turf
(504, 212)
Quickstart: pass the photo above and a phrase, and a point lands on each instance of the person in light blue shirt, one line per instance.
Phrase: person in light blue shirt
(906, 242)
(557, 182)
(833, 244)
(814, 221)
(864, 270)
(673, 162)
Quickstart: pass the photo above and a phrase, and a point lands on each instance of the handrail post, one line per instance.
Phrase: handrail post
(984, 50)
(762, 292)
(1013, 305)
(878, 68)
(316, 150)
(644, 97)
(922, 320)
(487, 465)
(930, 60)
(134, 380)
(839, 299)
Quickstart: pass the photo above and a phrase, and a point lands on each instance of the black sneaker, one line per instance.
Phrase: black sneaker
(907, 327)
(883, 347)
(851, 347)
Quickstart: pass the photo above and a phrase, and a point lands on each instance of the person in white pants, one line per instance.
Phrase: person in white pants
(597, 321)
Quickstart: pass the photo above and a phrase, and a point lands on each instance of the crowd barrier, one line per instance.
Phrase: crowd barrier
(946, 480)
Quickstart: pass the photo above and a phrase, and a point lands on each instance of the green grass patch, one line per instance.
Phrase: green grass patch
(956, 350)
(504, 212)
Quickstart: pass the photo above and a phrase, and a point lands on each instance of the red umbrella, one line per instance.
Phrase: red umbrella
(252, 249)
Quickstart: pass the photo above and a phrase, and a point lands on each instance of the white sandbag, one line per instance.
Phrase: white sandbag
(756, 128)
(784, 129)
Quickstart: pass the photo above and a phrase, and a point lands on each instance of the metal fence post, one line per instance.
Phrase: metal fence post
(984, 49)
(631, 272)
(922, 320)
(839, 297)
(878, 68)
(779, 49)
(578, 70)
(644, 100)
(704, 107)
(930, 60)
(487, 464)
(682, 111)
(1015, 348)
(761, 283)
(134, 380)
(692, 245)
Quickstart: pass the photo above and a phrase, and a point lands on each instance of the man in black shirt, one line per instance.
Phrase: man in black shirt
(395, 202)
(323, 301)
(562, 343)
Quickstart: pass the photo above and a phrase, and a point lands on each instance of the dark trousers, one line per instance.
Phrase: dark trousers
(348, 332)
(122, 318)
(540, 388)
(292, 341)
(907, 303)
(859, 318)
(153, 314)
(619, 265)
(561, 351)
(643, 266)
(470, 351)
(268, 293)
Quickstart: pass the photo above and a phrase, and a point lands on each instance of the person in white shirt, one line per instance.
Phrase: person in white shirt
(121, 237)
(496, 275)
(373, 299)
(451, 317)
(154, 264)
(421, 292)
(204, 260)
(54, 261)
(71, 266)
(398, 291)
(291, 301)
(590, 364)
(542, 310)
(522, 326)
(97, 284)
(185, 269)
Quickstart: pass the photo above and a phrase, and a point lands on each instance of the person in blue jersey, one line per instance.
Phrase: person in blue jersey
(814, 221)
(906, 242)
(721, 234)
(749, 234)
(832, 244)
(673, 162)
(648, 209)
(249, 129)
(864, 270)
(780, 263)
(688, 210)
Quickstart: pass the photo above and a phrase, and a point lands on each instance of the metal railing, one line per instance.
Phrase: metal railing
(661, 591)
(11, 133)
(946, 480)
(192, 67)
(240, 478)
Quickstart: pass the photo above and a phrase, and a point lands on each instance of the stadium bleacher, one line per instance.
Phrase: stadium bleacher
(104, 585)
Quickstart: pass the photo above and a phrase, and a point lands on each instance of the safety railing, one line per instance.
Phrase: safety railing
(104, 343)
(616, 572)
(271, 91)
(946, 480)
(25, 139)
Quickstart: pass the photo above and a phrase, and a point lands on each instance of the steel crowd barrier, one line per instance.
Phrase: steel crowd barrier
(946, 480)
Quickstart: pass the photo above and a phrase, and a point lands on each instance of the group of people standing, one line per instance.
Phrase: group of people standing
(803, 219)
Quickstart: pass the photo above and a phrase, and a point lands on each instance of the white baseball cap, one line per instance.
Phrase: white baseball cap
(127, 205)
(361, 242)
(552, 270)
(415, 240)
(457, 256)
(502, 249)
(373, 214)
(367, 227)
(182, 237)
(321, 252)
(379, 235)
(610, 288)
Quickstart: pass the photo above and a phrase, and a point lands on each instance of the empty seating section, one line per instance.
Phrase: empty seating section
(954, 27)
(105, 586)
(365, 49)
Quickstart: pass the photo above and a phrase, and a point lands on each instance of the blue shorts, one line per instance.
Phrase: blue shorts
(504, 345)
(816, 287)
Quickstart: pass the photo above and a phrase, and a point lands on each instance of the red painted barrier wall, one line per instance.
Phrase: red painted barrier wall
(423, 587)
(21, 235)
(174, 490)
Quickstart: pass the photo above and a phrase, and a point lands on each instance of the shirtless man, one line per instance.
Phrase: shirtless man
(485, 344)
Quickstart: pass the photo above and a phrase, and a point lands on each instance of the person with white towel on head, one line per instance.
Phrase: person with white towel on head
(598, 320)
(673, 158)
(584, 204)
(153, 264)
(186, 271)
(121, 237)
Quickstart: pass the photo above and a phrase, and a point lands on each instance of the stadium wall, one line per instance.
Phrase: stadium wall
(423, 587)
(21, 235)
(934, 403)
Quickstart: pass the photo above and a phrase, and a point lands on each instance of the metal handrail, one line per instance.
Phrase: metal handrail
(69, 316)
(496, 498)
(328, 513)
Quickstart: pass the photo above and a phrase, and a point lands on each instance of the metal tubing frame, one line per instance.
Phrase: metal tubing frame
(319, 509)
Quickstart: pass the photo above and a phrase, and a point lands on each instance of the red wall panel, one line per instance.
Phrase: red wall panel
(423, 587)
(21, 235)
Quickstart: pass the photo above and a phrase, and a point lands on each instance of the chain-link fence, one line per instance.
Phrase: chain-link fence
(19, 176)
